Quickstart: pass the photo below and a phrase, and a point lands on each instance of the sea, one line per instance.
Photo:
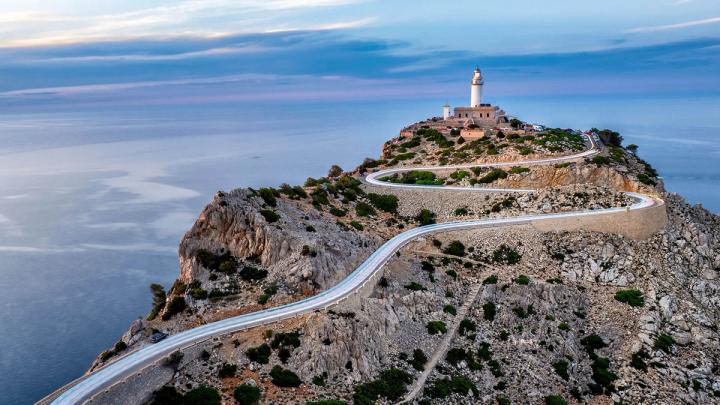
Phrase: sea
(94, 200)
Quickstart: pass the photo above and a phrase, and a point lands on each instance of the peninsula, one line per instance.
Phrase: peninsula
(479, 259)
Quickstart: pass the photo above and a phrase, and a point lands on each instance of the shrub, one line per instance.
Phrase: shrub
(435, 327)
(289, 339)
(284, 378)
(337, 212)
(491, 279)
(506, 255)
(259, 354)
(460, 211)
(664, 342)
(390, 384)
(492, 176)
(562, 165)
(419, 359)
(176, 305)
(637, 360)
(227, 370)
(247, 394)
(158, 298)
(634, 298)
(249, 273)
(600, 160)
(555, 400)
(357, 225)
(425, 217)
(198, 293)
(452, 273)
(645, 179)
(167, 395)
(561, 368)
(455, 248)
(414, 286)
(364, 209)
(466, 325)
(519, 169)
(521, 312)
(270, 215)
(203, 395)
(326, 402)
(563, 326)
(445, 387)
(268, 195)
(489, 311)
(459, 175)
(522, 280)
(450, 309)
(384, 202)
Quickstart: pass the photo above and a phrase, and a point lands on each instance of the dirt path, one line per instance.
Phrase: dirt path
(442, 349)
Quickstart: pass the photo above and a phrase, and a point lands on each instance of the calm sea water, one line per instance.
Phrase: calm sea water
(93, 203)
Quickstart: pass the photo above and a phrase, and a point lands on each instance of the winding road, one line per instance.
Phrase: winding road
(87, 387)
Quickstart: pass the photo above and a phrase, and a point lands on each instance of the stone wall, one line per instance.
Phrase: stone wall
(635, 224)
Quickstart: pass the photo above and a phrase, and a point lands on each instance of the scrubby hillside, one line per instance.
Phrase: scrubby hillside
(517, 315)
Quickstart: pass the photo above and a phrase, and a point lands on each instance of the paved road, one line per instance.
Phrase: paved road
(88, 386)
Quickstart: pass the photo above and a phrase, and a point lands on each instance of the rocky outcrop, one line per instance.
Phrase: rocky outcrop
(233, 223)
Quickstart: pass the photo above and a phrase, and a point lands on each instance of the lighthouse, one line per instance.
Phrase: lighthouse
(476, 88)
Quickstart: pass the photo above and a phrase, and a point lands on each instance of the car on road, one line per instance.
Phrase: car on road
(158, 336)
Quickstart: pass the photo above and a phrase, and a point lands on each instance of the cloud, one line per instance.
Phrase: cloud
(677, 26)
(194, 17)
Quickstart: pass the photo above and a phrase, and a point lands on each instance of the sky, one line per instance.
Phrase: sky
(69, 53)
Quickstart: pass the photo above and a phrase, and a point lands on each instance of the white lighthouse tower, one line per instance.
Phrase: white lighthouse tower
(476, 88)
(446, 111)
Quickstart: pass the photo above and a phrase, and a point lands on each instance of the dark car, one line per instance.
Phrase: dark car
(158, 336)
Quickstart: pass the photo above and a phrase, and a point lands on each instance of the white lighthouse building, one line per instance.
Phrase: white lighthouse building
(476, 88)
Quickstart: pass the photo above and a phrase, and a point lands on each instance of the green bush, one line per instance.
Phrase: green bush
(268, 195)
(638, 358)
(198, 293)
(414, 286)
(519, 169)
(460, 211)
(634, 298)
(450, 309)
(555, 400)
(167, 395)
(270, 215)
(284, 378)
(246, 394)
(443, 388)
(455, 248)
(390, 384)
(506, 255)
(563, 326)
(357, 225)
(492, 176)
(561, 368)
(452, 273)
(466, 325)
(664, 342)
(522, 280)
(227, 370)
(364, 209)
(286, 339)
(249, 273)
(203, 395)
(489, 310)
(600, 160)
(459, 175)
(419, 359)
(259, 354)
(435, 327)
(176, 306)
(158, 298)
(319, 380)
(337, 211)
(491, 279)
(384, 202)
(645, 179)
(326, 402)
(425, 217)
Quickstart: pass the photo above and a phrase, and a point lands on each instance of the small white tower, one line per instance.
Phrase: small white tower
(446, 111)
(476, 88)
